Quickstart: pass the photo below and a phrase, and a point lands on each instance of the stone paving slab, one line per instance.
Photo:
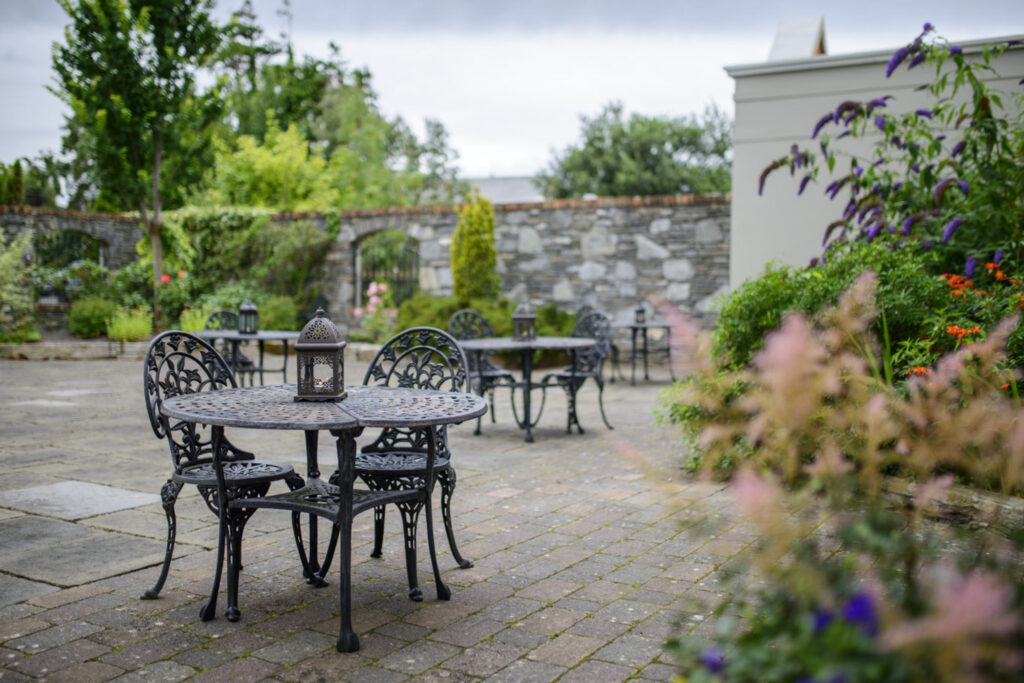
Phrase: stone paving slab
(14, 589)
(73, 500)
(65, 554)
(585, 546)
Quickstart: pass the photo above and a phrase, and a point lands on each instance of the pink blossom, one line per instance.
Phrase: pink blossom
(382, 287)
(754, 494)
(165, 278)
(375, 301)
(358, 312)
(975, 606)
(372, 289)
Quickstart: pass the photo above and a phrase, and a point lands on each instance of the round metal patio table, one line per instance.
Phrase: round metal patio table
(640, 330)
(235, 338)
(526, 347)
(274, 407)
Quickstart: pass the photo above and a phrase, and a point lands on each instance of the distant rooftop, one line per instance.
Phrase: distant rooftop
(798, 38)
(507, 189)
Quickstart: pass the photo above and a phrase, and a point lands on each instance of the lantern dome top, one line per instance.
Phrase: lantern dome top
(523, 310)
(247, 306)
(320, 330)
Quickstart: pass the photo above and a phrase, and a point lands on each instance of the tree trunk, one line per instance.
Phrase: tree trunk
(153, 226)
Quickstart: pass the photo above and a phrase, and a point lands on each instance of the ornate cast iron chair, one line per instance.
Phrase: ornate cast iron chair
(423, 358)
(468, 324)
(180, 363)
(589, 363)
(226, 319)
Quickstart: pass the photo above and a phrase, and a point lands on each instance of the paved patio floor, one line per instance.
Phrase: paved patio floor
(584, 546)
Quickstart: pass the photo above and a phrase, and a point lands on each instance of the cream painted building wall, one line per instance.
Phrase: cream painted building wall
(777, 104)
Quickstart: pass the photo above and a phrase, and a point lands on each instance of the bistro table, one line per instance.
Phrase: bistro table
(274, 407)
(235, 338)
(526, 347)
(640, 330)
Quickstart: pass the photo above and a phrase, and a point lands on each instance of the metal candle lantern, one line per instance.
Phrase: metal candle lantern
(524, 323)
(320, 353)
(641, 314)
(248, 318)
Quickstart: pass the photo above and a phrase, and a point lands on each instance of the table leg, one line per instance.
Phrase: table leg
(209, 611)
(632, 356)
(260, 344)
(527, 364)
(644, 333)
(348, 641)
(284, 368)
(311, 569)
(480, 383)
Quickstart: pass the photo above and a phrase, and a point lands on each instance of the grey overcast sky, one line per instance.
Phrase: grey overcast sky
(510, 78)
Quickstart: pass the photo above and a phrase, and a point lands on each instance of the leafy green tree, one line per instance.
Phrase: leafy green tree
(16, 289)
(127, 69)
(473, 255)
(644, 155)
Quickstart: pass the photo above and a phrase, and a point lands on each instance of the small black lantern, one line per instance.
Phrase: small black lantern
(641, 314)
(248, 318)
(524, 323)
(320, 353)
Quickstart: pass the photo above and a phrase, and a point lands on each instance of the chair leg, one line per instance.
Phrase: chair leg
(410, 516)
(443, 592)
(490, 398)
(573, 418)
(600, 404)
(447, 480)
(236, 527)
(169, 495)
(378, 531)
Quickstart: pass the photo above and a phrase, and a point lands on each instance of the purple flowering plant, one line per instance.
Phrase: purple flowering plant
(969, 135)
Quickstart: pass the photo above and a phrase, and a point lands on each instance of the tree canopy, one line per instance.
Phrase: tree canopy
(643, 155)
(127, 70)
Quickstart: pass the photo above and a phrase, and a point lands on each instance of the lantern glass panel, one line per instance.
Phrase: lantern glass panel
(641, 314)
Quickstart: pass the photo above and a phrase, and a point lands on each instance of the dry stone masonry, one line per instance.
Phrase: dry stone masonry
(610, 253)
(117, 234)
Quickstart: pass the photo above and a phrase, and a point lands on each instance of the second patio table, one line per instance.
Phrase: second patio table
(640, 329)
(274, 407)
(235, 338)
(526, 347)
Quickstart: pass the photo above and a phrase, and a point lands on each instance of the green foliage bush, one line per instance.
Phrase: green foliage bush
(88, 317)
(77, 280)
(193, 319)
(130, 324)
(16, 315)
(132, 285)
(909, 296)
(243, 245)
(473, 256)
(279, 313)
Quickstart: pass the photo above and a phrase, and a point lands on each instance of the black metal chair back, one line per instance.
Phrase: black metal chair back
(596, 326)
(584, 310)
(468, 324)
(179, 363)
(422, 358)
(223, 319)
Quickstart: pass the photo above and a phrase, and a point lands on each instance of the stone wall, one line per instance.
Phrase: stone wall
(117, 233)
(610, 253)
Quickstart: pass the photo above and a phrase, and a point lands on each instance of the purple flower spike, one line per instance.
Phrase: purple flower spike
(860, 611)
(874, 231)
(965, 187)
(951, 228)
(878, 102)
(880, 123)
(927, 244)
(858, 171)
(897, 59)
(891, 228)
(955, 50)
(927, 27)
(897, 185)
(923, 112)
(915, 168)
(712, 658)
(938, 190)
(821, 124)
(1020, 82)
(970, 266)
(878, 161)
(918, 58)
(803, 184)
(958, 148)
(1000, 253)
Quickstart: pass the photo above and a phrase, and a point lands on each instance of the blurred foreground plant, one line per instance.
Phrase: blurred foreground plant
(858, 583)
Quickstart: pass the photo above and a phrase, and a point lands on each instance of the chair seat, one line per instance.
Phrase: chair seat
(242, 471)
(397, 462)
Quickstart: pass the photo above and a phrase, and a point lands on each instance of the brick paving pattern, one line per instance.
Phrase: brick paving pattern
(587, 549)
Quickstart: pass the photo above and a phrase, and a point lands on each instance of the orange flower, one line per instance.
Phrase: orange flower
(991, 266)
(1005, 387)
(1000, 275)
(919, 370)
